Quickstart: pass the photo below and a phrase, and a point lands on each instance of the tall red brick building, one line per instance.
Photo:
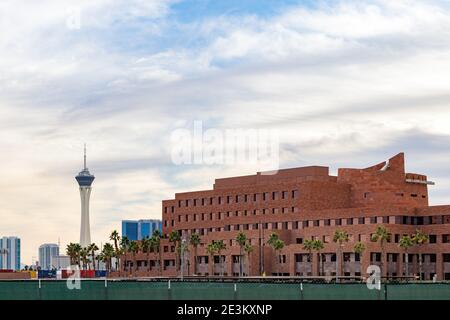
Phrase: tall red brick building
(308, 203)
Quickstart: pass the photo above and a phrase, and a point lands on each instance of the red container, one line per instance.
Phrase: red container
(87, 273)
(83, 274)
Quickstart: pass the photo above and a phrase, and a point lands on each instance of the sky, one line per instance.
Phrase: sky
(343, 83)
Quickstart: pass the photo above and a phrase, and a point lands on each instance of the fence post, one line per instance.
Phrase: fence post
(169, 291)
(301, 290)
(385, 291)
(39, 289)
(106, 289)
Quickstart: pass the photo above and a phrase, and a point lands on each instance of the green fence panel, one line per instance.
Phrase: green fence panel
(138, 290)
(201, 291)
(340, 292)
(19, 290)
(413, 291)
(59, 290)
(268, 291)
(159, 290)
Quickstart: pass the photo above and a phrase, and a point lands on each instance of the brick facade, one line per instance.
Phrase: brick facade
(304, 203)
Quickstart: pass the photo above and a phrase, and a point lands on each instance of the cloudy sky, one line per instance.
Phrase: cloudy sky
(344, 83)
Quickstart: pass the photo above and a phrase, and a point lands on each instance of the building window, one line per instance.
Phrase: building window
(327, 222)
(284, 195)
(446, 238)
(373, 220)
(316, 223)
(349, 221)
(432, 238)
(299, 240)
(294, 194)
(361, 220)
(338, 222)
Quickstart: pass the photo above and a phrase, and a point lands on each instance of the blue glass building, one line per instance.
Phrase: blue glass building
(47, 251)
(10, 253)
(139, 229)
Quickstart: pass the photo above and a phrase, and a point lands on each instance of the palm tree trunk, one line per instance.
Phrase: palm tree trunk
(406, 264)
(240, 261)
(248, 265)
(277, 263)
(420, 266)
(320, 264)
(195, 260)
(160, 262)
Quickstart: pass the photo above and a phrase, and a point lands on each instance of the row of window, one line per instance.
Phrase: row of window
(405, 220)
(244, 198)
(326, 257)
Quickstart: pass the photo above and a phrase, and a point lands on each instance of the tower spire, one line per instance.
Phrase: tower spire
(85, 156)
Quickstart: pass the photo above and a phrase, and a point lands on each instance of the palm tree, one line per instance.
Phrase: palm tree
(175, 238)
(211, 249)
(241, 239)
(98, 258)
(318, 246)
(340, 237)
(419, 239)
(134, 248)
(277, 245)
(84, 256)
(92, 248)
(116, 238)
(194, 241)
(381, 235)
(405, 243)
(248, 249)
(108, 253)
(359, 248)
(308, 245)
(156, 244)
(72, 250)
(147, 246)
(220, 245)
(124, 249)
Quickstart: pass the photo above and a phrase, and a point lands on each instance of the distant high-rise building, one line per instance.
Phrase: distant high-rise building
(10, 253)
(46, 252)
(85, 179)
(139, 229)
